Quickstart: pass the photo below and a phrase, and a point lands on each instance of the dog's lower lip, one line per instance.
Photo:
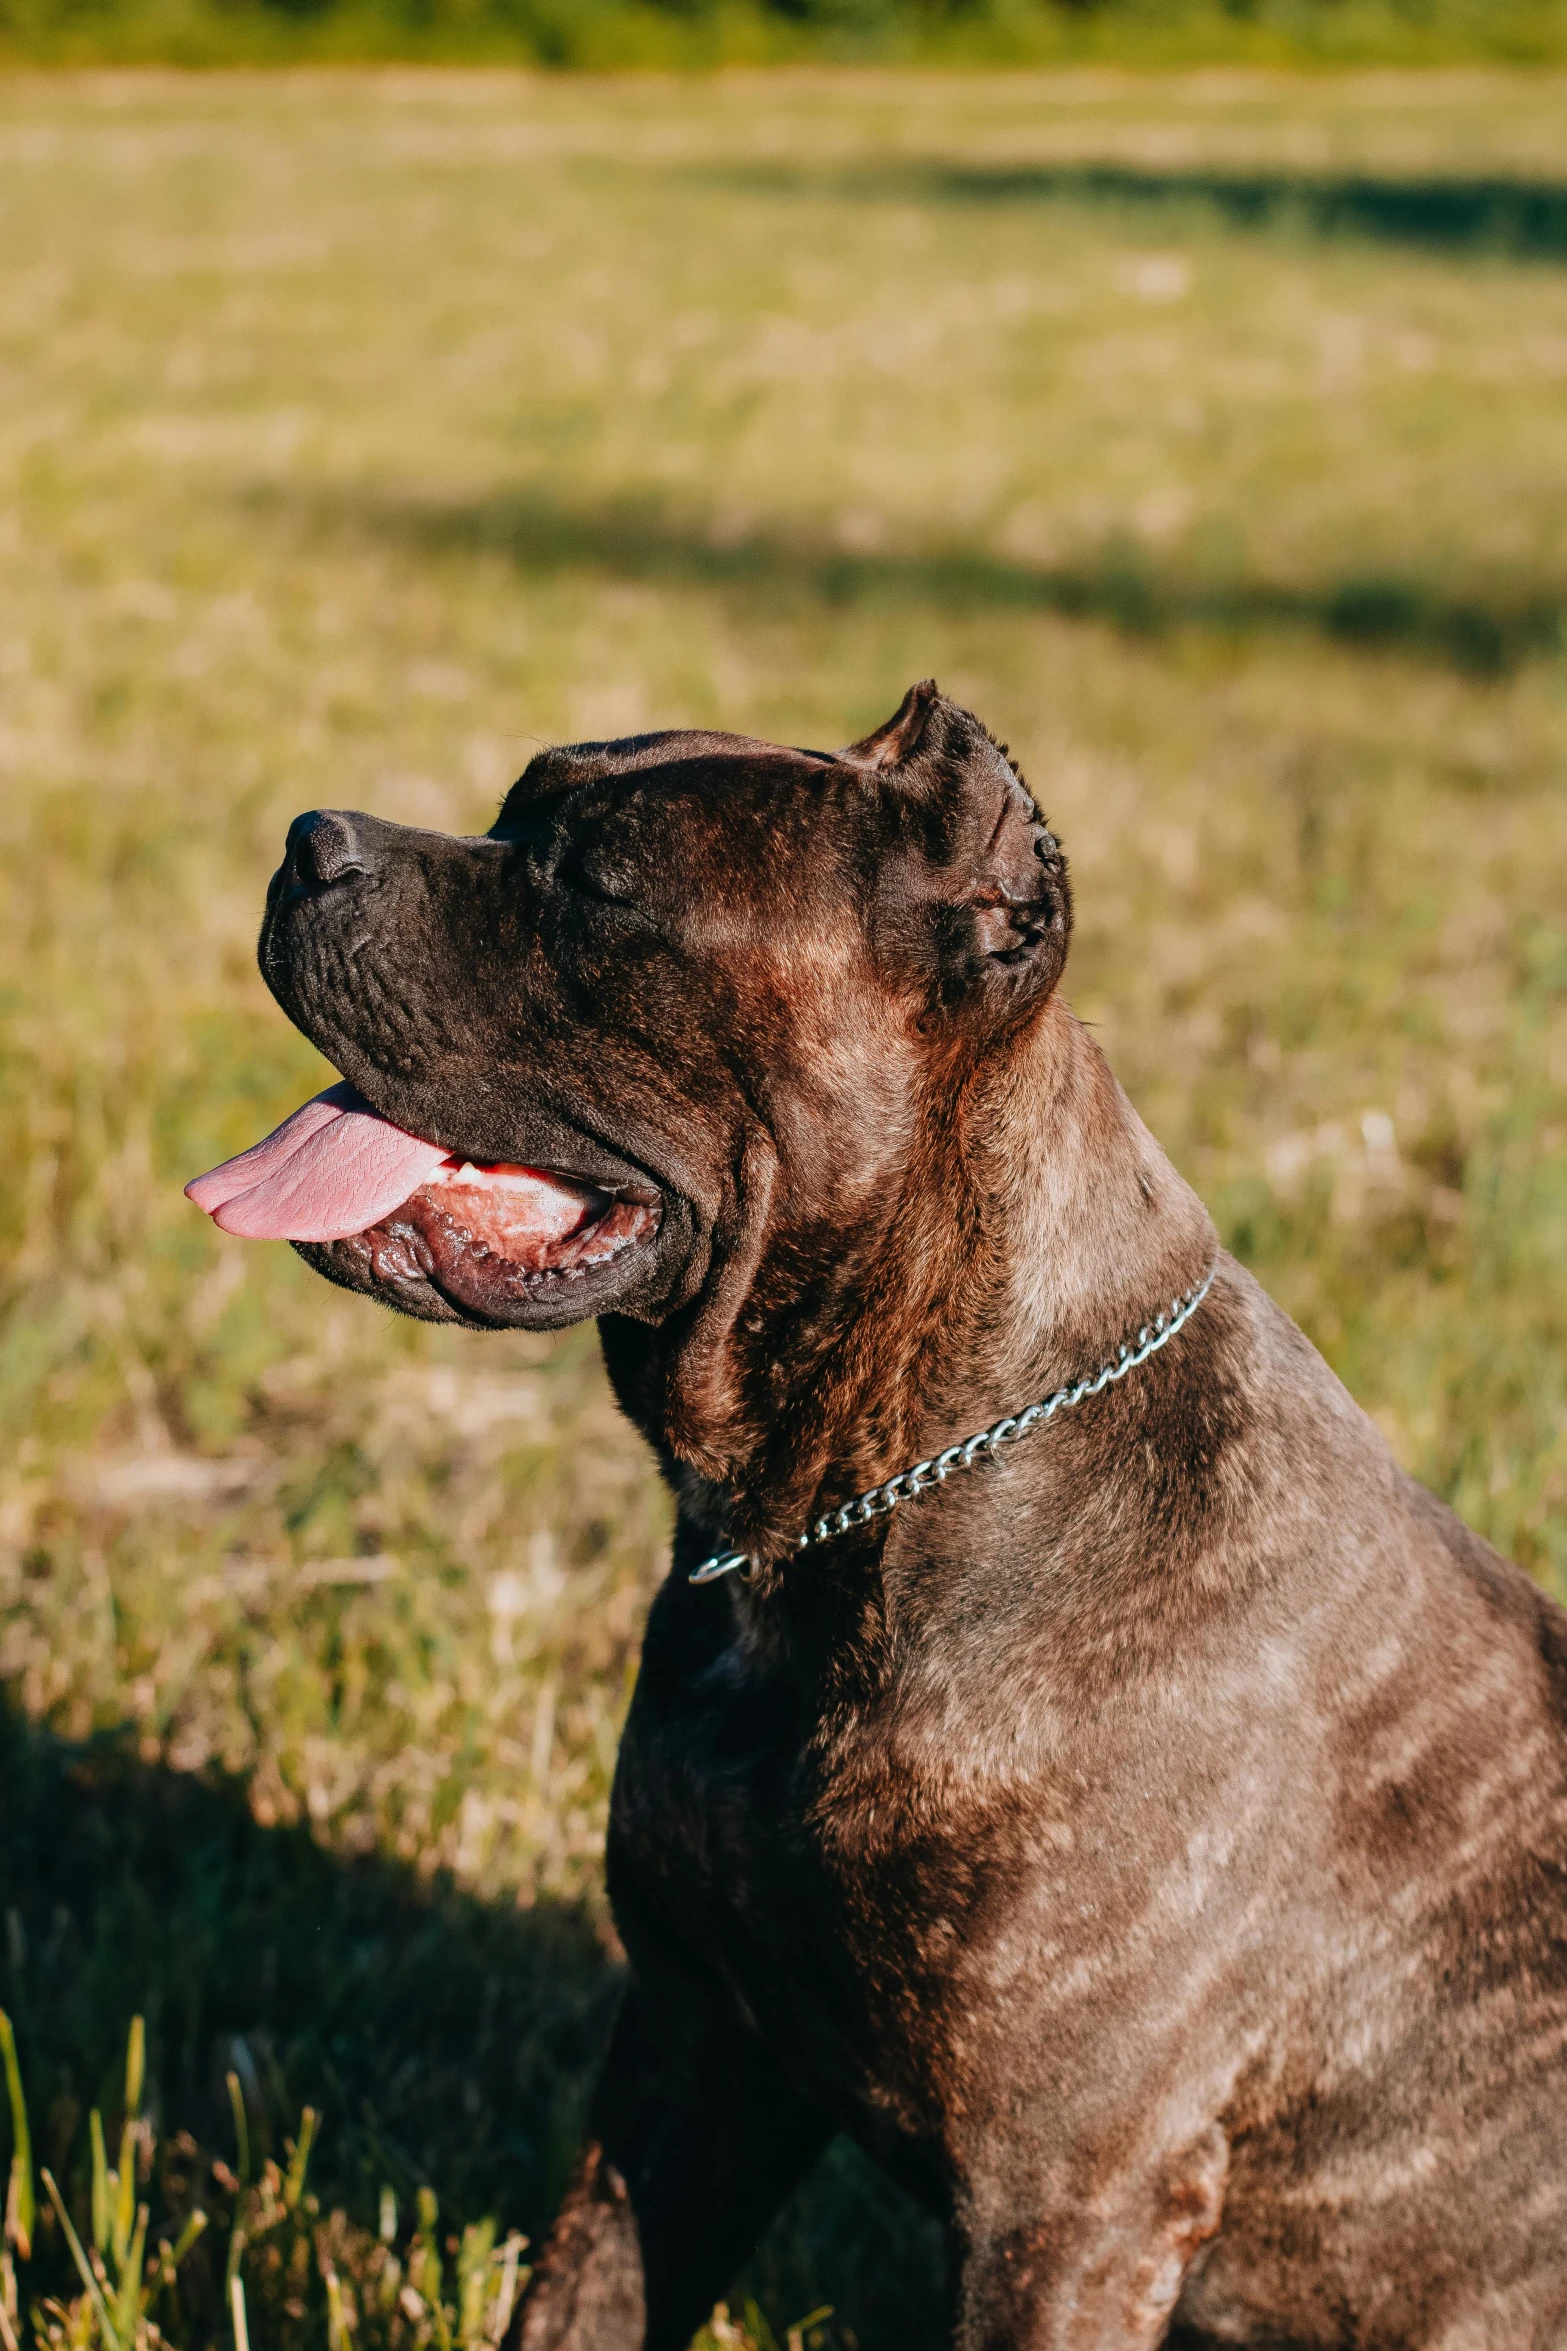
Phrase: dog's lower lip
(482, 1225)
(451, 1238)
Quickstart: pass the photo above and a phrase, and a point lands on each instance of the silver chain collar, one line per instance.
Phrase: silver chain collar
(910, 1483)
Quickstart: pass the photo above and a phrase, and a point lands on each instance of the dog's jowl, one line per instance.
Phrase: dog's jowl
(1141, 1820)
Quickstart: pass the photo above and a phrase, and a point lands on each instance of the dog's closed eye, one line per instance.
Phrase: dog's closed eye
(593, 874)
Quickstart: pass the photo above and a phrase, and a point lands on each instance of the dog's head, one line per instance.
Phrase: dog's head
(671, 1017)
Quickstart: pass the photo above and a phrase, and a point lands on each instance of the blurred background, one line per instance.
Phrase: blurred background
(361, 431)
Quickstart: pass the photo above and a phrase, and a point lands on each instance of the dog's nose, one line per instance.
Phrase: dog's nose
(324, 846)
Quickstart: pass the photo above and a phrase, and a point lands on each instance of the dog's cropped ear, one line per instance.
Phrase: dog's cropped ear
(973, 888)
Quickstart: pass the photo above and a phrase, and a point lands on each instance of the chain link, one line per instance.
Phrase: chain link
(909, 1484)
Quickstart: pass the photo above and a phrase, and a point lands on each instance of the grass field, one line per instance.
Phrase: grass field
(361, 433)
(703, 35)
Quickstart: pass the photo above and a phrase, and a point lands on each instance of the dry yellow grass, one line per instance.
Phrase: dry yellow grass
(361, 432)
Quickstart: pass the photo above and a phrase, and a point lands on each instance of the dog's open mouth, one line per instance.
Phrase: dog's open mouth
(409, 1214)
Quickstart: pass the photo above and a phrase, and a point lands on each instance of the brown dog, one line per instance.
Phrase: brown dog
(1152, 1844)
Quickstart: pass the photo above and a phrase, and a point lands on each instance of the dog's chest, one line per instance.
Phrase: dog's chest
(735, 1837)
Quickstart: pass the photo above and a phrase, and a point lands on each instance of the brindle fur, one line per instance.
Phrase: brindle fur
(1152, 1846)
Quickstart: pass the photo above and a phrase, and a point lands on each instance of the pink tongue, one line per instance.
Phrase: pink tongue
(333, 1169)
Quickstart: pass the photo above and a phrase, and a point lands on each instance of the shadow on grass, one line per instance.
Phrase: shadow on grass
(1517, 219)
(637, 538)
(446, 2040)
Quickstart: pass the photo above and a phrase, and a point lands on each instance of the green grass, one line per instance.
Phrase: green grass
(273, 2269)
(361, 433)
(703, 35)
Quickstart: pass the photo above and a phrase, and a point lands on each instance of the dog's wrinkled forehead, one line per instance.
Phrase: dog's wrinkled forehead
(921, 842)
(689, 828)
(566, 766)
(927, 775)
(596, 780)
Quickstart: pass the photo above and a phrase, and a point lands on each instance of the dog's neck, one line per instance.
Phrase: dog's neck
(1093, 1229)
(1038, 1225)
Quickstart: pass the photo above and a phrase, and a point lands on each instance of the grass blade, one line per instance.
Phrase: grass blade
(337, 2334)
(125, 2199)
(128, 2308)
(757, 2328)
(21, 2209)
(425, 2269)
(135, 2068)
(125, 2196)
(298, 2162)
(104, 2185)
(187, 2237)
(241, 2129)
(169, 2259)
(506, 2291)
(237, 2311)
(8, 2302)
(473, 2278)
(170, 2255)
(94, 2293)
